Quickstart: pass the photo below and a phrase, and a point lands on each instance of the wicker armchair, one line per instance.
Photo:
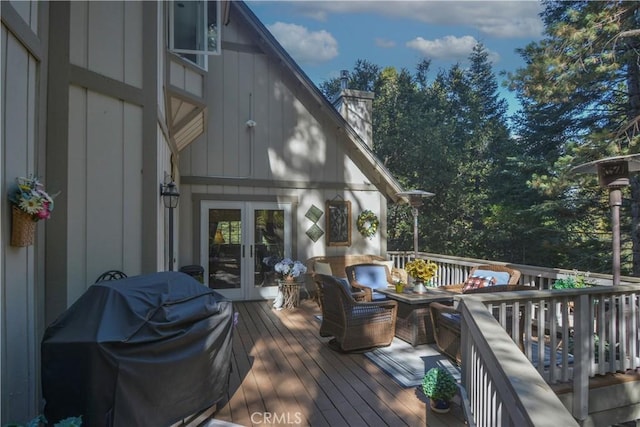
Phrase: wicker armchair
(367, 278)
(445, 321)
(354, 325)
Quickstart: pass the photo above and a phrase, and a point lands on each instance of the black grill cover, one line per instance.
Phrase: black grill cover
(147, 350)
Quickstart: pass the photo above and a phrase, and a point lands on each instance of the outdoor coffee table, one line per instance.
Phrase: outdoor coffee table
(411, 325)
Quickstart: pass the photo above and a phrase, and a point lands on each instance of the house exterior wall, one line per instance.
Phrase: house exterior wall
(93, 125)
(294, 151)
(104, 188)
(23, 79)
(98, 134)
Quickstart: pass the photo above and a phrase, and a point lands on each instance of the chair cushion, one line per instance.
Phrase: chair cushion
(357, 314)
(371, 276)
(322, 268)
(344, 282)
(377, 296)
(389, 264)
(475, 282)
(502, 277)
(452, 317)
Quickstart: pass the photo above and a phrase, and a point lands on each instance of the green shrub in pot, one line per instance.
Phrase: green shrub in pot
(440, 386)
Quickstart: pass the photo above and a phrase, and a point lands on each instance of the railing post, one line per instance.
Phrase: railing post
(583, 334)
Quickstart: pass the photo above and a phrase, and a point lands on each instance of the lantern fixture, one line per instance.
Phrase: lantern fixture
(170, 194)
(170, 197)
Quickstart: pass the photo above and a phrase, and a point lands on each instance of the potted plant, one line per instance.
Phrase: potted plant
(440, 387)
(290, 269)
(574, 281)
(288, 289)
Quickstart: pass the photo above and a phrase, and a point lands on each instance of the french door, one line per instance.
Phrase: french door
(240, 243)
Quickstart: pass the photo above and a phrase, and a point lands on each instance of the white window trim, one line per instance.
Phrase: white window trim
(203, 54)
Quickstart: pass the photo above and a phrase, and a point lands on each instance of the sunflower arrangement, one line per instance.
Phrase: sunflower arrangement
(421, 269)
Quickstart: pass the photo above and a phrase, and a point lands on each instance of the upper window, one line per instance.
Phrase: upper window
(194, 30)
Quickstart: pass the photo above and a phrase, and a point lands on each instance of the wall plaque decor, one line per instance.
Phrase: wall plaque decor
(338, 218)
(314, 213)
(314, 232)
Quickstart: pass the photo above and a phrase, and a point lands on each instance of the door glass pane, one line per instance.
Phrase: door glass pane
(269, 244)
(225, 246)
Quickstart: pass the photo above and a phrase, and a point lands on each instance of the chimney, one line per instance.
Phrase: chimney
(356, 107)
(344, 79)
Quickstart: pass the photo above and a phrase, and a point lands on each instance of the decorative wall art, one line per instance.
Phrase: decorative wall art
(338, 222)
(314, 232)
(314, 213)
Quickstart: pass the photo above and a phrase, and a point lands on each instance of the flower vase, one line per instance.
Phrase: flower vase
(289, 290)
(399, 288)
(418, 287)
(23, 228)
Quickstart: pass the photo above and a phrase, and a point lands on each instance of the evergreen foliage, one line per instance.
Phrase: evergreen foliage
(502, 184)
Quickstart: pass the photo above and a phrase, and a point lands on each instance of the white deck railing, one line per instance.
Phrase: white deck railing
(502, 387)
(453, 269)
(574, 333)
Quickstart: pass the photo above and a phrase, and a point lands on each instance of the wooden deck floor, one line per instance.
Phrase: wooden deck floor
(285, 374)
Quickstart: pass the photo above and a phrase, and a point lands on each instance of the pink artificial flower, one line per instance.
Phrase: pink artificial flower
(44, 213)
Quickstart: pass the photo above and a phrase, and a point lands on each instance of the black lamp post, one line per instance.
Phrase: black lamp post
(170, 196)
(613, 173)
(415, 200)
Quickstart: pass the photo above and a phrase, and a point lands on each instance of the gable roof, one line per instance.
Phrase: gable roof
(357, 149)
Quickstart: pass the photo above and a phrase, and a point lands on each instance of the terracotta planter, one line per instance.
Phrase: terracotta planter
(23, 228)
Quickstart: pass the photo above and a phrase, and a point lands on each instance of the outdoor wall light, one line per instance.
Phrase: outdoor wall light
(170, 194)
(170, 197)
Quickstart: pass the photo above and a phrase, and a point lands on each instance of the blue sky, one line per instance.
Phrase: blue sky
(325, 37)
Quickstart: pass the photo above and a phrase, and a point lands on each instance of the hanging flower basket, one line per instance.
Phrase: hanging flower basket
(23, 228)
(29, 204)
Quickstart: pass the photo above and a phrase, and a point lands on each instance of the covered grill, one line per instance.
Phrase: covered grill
(147, 350)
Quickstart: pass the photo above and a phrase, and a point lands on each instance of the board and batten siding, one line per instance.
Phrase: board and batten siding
(105, 188)
(294, 151)
(106, 38)
(292, 139)
(21, 269)
(105, 142)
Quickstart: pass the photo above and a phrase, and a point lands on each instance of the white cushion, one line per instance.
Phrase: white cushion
(322, 268)
(502, 277)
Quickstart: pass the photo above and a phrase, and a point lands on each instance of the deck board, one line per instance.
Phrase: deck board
(283, 369)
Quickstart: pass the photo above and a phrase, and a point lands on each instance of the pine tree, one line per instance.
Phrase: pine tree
(581, 102)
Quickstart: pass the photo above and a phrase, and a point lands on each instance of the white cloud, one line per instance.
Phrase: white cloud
(503, 19)
(448, 47)
(384, 43)
(306, 47)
